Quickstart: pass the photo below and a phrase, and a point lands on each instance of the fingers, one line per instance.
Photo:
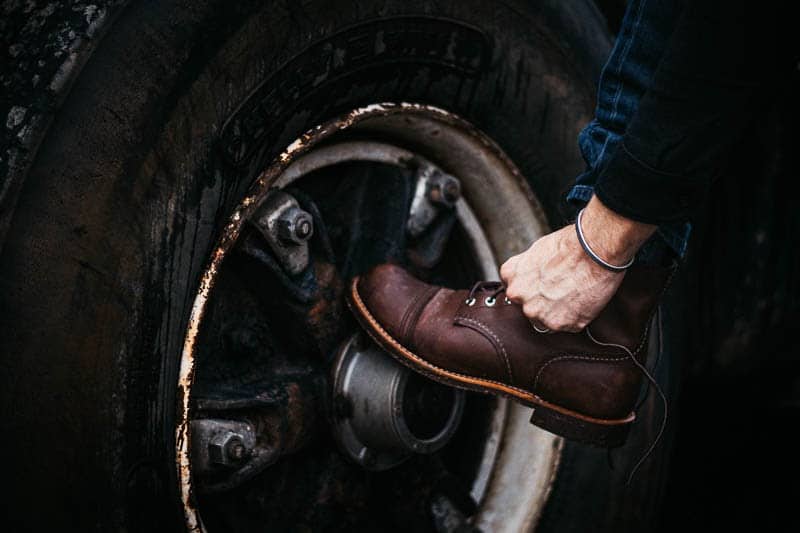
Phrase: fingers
(545, 322)
(552, 326)
(508, 269)
(513, 294)
(508, 273)
(556, 287)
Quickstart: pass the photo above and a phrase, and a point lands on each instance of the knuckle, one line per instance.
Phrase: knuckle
(530, 311)
(563, 323)
(509, 266)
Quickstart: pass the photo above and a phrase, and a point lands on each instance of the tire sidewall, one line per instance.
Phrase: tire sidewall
(144, 162)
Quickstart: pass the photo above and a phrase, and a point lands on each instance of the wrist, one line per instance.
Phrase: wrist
(612, 236)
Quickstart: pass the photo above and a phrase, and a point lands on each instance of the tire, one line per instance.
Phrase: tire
(173, 116)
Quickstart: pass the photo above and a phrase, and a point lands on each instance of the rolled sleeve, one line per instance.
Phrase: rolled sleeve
(703, 96)
(637, 191)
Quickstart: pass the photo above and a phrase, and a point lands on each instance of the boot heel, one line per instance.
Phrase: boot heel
(597, 434)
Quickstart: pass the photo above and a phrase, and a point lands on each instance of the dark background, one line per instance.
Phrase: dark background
(735, 462)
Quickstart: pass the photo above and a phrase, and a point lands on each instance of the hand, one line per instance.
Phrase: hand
(558, 285)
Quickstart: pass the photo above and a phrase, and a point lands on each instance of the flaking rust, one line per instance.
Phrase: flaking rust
(182, 437)
(226, 241)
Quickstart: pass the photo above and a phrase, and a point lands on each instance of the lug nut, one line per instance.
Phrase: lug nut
(451, 191)
(295, 226)
(444, 189)
(237, 451)
(227, 449)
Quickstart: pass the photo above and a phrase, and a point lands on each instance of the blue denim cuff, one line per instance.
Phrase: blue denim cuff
(580, 194)
(674, 235)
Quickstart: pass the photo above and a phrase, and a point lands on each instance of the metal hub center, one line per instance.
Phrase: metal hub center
(384, 412)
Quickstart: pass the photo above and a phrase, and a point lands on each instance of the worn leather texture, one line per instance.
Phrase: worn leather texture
(591, 372)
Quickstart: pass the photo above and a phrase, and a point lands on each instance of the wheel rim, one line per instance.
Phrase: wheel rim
(499, 217)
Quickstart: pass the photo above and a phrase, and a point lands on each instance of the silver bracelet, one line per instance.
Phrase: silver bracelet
(596, 258)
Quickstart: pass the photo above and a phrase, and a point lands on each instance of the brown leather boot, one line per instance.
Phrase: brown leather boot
(582, 386)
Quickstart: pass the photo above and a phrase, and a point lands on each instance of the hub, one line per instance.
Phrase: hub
(383, 412)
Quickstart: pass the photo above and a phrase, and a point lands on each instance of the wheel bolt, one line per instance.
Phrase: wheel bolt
(444, 189)
(295, 226)
(237, 451)
(452, 190)
(227, 449)
(303, 229)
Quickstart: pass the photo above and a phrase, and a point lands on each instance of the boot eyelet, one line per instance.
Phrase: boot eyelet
(470, 301)
(507, 301)
(489, 301)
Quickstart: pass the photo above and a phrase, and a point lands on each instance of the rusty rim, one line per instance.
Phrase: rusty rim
(520, 459)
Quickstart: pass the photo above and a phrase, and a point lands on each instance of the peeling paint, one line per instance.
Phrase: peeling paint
(184, 386)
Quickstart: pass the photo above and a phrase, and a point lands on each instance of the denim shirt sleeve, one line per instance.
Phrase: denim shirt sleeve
(701, 99)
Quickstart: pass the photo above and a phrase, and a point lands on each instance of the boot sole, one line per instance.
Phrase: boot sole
(607, 433)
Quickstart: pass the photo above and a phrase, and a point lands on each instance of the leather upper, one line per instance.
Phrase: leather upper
(589, 372)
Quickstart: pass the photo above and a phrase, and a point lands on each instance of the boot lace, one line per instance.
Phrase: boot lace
(494, 288)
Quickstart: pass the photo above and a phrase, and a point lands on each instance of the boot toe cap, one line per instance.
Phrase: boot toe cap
(388, 292)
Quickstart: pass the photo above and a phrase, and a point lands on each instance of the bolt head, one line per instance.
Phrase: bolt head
(303, 229)
(451, 191)
(295, 226)
(227, 449)
(237, 451)
(444, 189)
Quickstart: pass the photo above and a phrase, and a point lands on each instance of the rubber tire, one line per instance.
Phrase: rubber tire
(139, 170)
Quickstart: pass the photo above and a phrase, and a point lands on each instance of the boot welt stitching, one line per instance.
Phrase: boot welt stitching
(498, 343)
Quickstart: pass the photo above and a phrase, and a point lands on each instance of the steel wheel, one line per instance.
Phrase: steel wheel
(263, 360)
